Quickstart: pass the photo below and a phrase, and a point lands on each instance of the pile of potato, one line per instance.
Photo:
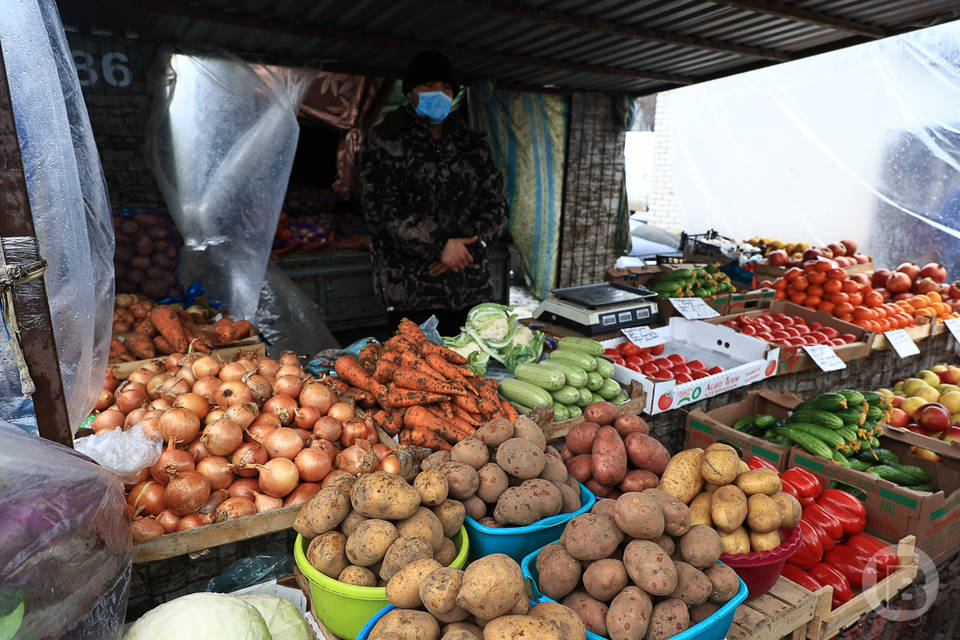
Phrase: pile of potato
(612, 454)
(747, 507)
(636, 567)
(506, 475)
(365, 530)
(487, 601)
(145, 258)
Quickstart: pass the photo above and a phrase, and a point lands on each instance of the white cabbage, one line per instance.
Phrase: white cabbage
(201, 616)
(284, 620)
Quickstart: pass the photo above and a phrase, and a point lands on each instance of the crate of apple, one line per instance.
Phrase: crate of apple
(654, 363)
(789, 331)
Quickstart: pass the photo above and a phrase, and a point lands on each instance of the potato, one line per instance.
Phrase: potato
(462, 479)
(571, 499)
(533, 500)
(369, 542)
(592, 612)
(669, 618)
(326, 553)
(744, 467)
(710, 488)
(638, 480)
(402, 552)
(736, 541)
(565, 619)
(403, 588)
(406, 624)
(439, 589)
(608, 458)
(519, 627)
(764, 541)
(521, 458)
(700, 510)
(423, 523)
(639, 516)
(591, 537)
(434, 460)
(666, 543)
(475, 507)
(605, 507)
(790, 509)
(351, 522)
(522, 607)
(701, 546)
(432, 487)
(451, 514)
(524, 427)
(603, 413)
(471, 452)
(554, 470)
(384, 495)
(725, 583)
(650, 568)
(360, 576)
(580, 467)
(462, 627)
(728, 508)
(700, 612)
(559, 571)
(759, 481)
(460, 634)
(763, 513)
(630, 423)
(629, 615)
(676, 515)
(681, 478)
(580, 437)
(604, 579)
(720, 464)
(495, 432)
(494, 481)
(491, 586)
(447, 553)
(323, 512)
(646, 452)
(693, 587)
(551, 452)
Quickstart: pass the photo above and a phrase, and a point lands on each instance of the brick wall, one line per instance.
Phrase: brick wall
(662, 205)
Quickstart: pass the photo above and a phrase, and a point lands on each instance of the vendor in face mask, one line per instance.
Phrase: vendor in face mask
(433, 201)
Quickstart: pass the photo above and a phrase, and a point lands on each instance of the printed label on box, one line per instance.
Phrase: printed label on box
(902, 343)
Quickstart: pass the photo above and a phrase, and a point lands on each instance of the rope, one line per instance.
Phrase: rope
(10, 276)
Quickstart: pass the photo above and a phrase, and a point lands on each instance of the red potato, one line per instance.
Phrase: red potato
(629, 423)
(597, 489)
(581, 436)
(646, 452)
(608, 459)
(638, 480)
(579, 467)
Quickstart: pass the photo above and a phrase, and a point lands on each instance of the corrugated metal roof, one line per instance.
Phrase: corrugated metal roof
(639, 46)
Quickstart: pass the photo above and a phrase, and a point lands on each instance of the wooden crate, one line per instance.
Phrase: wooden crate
(827, 623)
(917, 333)
(785, 610)
(123, 370)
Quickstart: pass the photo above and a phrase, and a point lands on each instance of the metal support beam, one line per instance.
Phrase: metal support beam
(790, 12)
(19, 243)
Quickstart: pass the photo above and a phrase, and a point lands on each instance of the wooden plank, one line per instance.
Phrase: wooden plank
(180, 543)
(785, 610)
(123, 370)
(747, 623)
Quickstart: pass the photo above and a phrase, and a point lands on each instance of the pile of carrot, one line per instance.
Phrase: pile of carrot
(424, 394)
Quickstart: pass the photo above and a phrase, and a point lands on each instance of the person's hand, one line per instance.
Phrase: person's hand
(455, 255)
(437, 268)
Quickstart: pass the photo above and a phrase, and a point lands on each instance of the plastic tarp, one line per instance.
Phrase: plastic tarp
(860, 143)
(70, 207)
(221, 141)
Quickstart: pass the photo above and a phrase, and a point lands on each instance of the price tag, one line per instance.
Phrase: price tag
(825, 357)
(954, 325)
(902, 343)
(643, 337)
(693, 308)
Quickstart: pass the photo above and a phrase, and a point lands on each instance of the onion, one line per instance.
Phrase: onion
(134, 417)
(357, 459)
(288, 358)
(150, 425)
(155, 385)
(145, 529)
(288, 386)
(341, 411)
(243, 488)
(104, 400)
(185, 373)
(247, 364)
(130, 512)
(329, 447)
(160, 404)
(186, 492)
(305, 436)
(195, 403)
(129, 398)
(258, 431)
(353, 429)
(243, 414)
(173, 361)
(234, 508)
(231, 393)
(390, 464)
(176, 386)
(217, 470)
(316, 394)
(283, 406)
(171, 461)
(222, 437)
(142, 476)
(107, 421)
(269, 419)
(259, 386)
(336, 477)
(214, 501)
(381, 450)
(232, 372)
(205, 367)
(302, 493)
(306, 417)
(147, 497)
(206, 387)
(168, 520)
(198, 450)
(141, 375)
(289, 370)
(278, 477)
(313, 464)
(266, 503)
(214, 415)
(328, 428)
(179, 425)
(268, 367)
(246, 458)
(283, 443)
(110, 382)
(193, 521)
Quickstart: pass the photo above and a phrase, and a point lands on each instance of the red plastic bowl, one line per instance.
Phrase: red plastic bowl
(760, 570)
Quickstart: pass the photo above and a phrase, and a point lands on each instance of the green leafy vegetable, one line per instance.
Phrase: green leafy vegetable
(492, 331)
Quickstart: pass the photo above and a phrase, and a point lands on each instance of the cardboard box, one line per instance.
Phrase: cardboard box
(745, 360)
(946, 449)
(706, 427)
(752, 300)
(894, 511)
(634, 276)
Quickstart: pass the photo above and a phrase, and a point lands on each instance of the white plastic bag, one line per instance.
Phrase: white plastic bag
(125, 452)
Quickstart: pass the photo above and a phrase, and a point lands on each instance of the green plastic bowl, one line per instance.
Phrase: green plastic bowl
(345, 608)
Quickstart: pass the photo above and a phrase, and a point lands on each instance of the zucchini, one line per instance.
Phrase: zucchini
(596, 397)
(678, 274)
(831, 401)
(604, 367)
(560, 412)
(817, 416)
(543, 377)
(586, 345)
(574, 411)
(586, 397)
(522, 408)
(575, 376)
(892, 474)
(855, 399)
(920, 476)
(609, 389)
(620, 398)
(578, 358)
(594, 381)
(524, 393)
(764, 421)
(566, 395)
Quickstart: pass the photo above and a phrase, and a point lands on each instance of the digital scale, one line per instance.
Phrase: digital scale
(599, 308)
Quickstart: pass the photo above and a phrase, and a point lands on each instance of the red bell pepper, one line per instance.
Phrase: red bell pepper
(824, 521)
(828, 576)
(853, 567)
(843, 500)
(850, 523)
(866, 547)
(807, 484)
(810, 551)
(796, 574)
(756, 462)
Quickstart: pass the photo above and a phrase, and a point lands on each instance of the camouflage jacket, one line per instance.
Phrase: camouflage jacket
(417, 193)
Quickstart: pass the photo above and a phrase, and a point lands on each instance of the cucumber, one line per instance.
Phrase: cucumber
(609, 389)
(858, 465)
(817, 416)
(596, 397)
(851, 416)
(594, 381)
(585, 398)
(543, 377)
(920, 476)
(840, 459)
(591, 347)
(855, 399)
(744, 424)
(604, 367)
(825, 434)
(560, 412)
(566, 395)
(892, 474)
(574, 411)
(811, 443)
(832, 401)
(884, 456)
(872, 397)
(575, 376)
(764, 421)
(620, 398)
(926, 488)
(874, 413)
(678, 274)
(524, 393)
(578, 358)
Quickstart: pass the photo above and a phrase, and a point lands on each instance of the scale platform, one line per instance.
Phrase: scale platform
(599, 308)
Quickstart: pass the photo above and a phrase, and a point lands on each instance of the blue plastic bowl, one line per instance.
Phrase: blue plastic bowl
(713, 628)
(517, 542)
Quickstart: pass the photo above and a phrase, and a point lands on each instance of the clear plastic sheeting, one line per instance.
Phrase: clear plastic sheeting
(861, 143)
(66, 551)
(287, 319)
(126, 453)
(221, 141)
(70, 206)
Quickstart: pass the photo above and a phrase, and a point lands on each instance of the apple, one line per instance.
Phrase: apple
(914, 428)
(778, 258)
(946, 388)
(879, 277)
(926, 454)
(911, 406)
(952, 375)
(955, 289)
(951, 400)
(849, 245)
(951, 435)
(898, 418)
(861, 259)
(837, 249)
(811, 254)
(909, 268)
(926, 285)
(934, 271)
(885, 392)
(933, 417)
(897, 401)
(898, 283)
(929, 377)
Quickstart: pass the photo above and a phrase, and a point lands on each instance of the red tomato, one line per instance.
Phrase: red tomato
(681, 368)
(665, 373)
(830, 332)
(649, 369)
(819, 337)
(646, 357)
(814, 326)
(847, 337)
(683, 377)
(628, 349)
(634, 363)
(777, 326)
(663, 363)
(783, 318)
(714, 370)
(792, 331)
(749, 330)
(696, 365)
(697, 374)
(837, 342)
(802, 329)
(657, 350)
(613, 353)
(676, 358)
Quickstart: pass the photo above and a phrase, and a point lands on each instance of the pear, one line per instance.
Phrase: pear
(951, 400)
(930, 377)
(912, 385)
(912, 404)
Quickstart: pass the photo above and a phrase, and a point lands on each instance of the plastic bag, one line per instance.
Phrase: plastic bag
(124, 452)
(287, 319)
(251, 570)
(65, 539)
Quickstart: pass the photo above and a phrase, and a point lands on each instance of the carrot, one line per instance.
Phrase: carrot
(351, 371)
(397, 397)
(224, 329)
(411, 331)
(410, 360)
(449, 371)
(140, 310)
(451, 356)
(467, 403)
(146, 328)
(162, 345)
(464, 415)
(400, 344)
(362, 397)
(446, 407)
(368, 355)
(140, 346)
(423, 438)
(240, 330)
(170, 327)
(389, 421)
(336, 384)
(413, 379)
(119, 352)
(418, 417)
(383, 373)
(509, 411)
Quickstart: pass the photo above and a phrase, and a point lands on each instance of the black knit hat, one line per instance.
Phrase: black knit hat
(428, 66)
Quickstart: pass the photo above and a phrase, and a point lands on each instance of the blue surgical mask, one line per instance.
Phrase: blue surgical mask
(434, 105)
